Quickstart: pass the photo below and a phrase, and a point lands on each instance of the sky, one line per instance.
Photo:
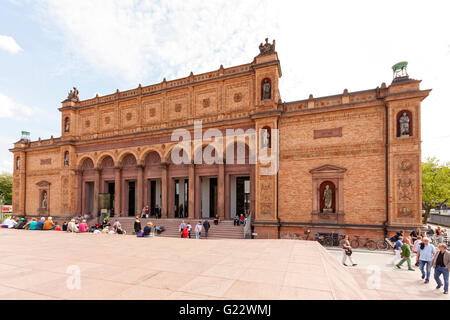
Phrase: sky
(49, 46)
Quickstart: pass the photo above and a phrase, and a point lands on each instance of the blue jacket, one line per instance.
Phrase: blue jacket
(40, 225)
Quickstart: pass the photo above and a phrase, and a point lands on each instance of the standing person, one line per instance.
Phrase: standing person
(185, 233)
(397, 249)
(216, 219)
(346, 251)
(198, 230)
(142, 213)
(206, 226)
(426, 251)
(137, 224)
(414, 235)
(405, 255)
(181, 228)
(441, 265)
(147, 212)
(416, 247)
(189, 227)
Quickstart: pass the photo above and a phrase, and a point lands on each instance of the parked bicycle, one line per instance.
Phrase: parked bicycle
(363, 243)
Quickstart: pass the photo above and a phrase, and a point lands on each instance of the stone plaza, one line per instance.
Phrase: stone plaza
(59, 265)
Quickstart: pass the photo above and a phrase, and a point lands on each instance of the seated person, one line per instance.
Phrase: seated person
(241, 219)
(159, 229)
(64, 226)
(120, 230)
(21, 224)
(58, 228)
(72, 227)
(185, 233)
(83, 227)
(216, 219)
(48, 224)
(40, 224)
(236, 220)
(105, 230)
(33, 224)
(148, 229)
(9, 223)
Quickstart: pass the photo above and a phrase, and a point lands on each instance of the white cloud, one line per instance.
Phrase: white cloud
(324, 46)
(11, 109)
(8, 44)
(139, 39)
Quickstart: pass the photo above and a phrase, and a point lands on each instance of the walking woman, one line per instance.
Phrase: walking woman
(346, 251)
(137, 225)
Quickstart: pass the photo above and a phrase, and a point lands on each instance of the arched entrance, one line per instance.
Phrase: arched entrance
(88, 181)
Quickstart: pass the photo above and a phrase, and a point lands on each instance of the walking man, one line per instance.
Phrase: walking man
(441, 265)
(206, 226)
(397, 249)
(426, 252)
(346, 251)
(406, 255)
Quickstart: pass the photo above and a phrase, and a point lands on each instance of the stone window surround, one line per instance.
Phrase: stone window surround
(333, 174)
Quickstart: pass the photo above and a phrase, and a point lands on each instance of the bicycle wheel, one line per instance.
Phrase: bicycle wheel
(371, 245)
(382, 245)
(354, 244)
(328, 242)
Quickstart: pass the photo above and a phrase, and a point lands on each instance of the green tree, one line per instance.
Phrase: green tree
(6, 188)
(435, 185)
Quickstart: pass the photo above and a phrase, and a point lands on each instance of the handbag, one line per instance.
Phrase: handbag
(348, 252)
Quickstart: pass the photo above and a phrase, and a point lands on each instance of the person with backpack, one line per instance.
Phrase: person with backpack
(206, 226)
(347, 251)
(405, 255)
(397, 249)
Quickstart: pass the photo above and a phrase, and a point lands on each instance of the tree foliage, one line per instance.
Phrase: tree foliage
(6, 187)
(435, 184)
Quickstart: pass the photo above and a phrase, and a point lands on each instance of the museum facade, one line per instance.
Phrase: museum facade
(347, 163)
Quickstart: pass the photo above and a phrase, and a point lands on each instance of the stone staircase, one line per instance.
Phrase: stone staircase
(224, 230)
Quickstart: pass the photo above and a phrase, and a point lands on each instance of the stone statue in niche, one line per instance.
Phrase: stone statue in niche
(328, 199)
(44, 200)
(404, 125)
(265, 138)
(67, 125)
(66, 159)
(266, 90)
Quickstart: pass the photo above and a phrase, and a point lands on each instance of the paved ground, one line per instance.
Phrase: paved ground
(59, 265)
(378, 278)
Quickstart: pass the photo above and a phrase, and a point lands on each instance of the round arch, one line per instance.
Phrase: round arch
(102, 157)
(82, 159)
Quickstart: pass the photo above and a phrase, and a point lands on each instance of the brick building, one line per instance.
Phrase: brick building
(348, 163)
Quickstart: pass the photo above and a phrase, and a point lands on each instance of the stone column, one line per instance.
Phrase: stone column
(79, 190)
(220, 191)
(117, 191)
(140, 188)
(191, 191)
(252, 191)
(170, 197)
(164, 186)
(227, 197)
(96, 190)
(198, 200)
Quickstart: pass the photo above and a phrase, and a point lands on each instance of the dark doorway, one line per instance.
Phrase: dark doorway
(131, 198)
(152, 197)
(212, 197)
(111, 191)
(177, 207)
(89, 197)
(242, 195)
(186, 198)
